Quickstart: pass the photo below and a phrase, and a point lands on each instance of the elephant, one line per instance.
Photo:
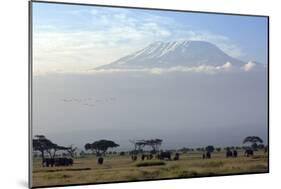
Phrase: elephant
(208, 155)
(177, 156)
(249, 152)
(229, 153)
(134, 157)
(48, 162)
(57, 162)
(63, 161)
(235, 153)
(100, 160)
(165, 155)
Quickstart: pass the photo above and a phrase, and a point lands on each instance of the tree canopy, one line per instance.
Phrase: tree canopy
(210, 148)
(153, 143)
(100, 146)
(252, 139)
(42, 144)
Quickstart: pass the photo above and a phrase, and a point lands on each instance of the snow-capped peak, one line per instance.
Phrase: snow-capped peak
(175, 53)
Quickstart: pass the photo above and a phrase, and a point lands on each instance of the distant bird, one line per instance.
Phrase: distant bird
(90, 101)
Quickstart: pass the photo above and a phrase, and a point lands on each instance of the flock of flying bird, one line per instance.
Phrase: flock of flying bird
(90, 102)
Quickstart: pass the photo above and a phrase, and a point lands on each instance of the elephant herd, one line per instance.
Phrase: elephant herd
(229, 153)
(51, 162)
(249, 152)
(206, 155)
(162, 156)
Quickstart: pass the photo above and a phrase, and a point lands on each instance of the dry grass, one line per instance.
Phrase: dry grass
(122, 168)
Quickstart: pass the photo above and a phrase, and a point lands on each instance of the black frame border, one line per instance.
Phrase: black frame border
(30, 87)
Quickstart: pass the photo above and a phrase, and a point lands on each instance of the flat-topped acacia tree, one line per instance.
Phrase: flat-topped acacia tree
(100, 146)
(43, 145)
(254, 140)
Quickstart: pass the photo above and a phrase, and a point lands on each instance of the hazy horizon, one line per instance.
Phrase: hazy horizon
(184, 110)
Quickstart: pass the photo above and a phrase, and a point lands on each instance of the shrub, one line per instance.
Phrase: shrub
(150, 163)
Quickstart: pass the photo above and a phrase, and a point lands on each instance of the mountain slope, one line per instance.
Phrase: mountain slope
(176, 53)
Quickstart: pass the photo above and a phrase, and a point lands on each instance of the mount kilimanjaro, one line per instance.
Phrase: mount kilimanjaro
(173, 54)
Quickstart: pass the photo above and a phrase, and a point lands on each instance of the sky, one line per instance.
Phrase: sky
(68, 37)
(186, 107)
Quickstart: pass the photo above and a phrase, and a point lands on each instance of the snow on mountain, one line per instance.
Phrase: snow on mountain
(175, 54)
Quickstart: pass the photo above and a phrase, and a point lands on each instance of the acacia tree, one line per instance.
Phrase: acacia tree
(71, 150)
(93, 147)
(254, 140)
(52, 150)
(153, 143)
(88, 146)
(210, 149)
(138, 145)
(43, 145)
(101, 146)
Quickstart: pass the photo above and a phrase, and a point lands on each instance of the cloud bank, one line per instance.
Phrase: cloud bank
(205, 69)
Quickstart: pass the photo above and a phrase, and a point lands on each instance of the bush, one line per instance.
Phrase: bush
(150, 163)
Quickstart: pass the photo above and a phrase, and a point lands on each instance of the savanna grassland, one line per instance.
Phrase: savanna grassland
(121, 168)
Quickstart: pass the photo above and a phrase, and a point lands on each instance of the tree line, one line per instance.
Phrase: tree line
(45, 146)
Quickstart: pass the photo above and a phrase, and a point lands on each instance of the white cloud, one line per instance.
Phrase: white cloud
(203, 69)
(227, 66)
(249, 66)
(155, 71)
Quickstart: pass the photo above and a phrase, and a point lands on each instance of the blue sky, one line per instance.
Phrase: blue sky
(95, 36)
